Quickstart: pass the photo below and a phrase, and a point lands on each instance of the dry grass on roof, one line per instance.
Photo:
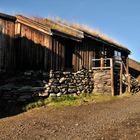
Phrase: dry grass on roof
(60, 27)
(91, 31)
(52, 22)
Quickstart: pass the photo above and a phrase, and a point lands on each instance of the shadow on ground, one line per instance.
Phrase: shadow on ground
(16, 91)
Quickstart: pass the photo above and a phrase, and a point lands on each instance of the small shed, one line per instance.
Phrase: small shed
(134, 69)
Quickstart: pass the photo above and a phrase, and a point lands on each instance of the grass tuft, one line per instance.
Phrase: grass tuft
(70, 100)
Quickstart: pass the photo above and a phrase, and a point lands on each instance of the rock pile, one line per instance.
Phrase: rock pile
(62, 83)
(102, 82)
(135, 85)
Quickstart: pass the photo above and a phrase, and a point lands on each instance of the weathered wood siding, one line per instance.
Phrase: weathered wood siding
(84, 52)
(36, 50)
(7, 48)
(62, 53)
(58, 53)
(26, 48)
(33, 49)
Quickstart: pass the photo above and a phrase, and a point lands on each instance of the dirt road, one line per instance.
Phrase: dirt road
(113, 120)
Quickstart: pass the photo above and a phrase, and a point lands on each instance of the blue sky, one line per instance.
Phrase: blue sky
(119, 19)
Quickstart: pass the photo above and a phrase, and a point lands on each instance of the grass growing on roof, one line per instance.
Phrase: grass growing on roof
(76, 29)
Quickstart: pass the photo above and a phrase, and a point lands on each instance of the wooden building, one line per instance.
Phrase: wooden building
(134, 69)
(7, 43)
(34, 44)
(44, 44)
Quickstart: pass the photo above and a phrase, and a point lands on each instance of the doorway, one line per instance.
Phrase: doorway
(69, 48)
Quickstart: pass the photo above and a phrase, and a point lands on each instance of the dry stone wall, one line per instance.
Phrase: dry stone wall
(32, 86)
(62, 83)
(102, 82)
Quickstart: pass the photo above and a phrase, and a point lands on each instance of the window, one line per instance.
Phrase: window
(117, 55)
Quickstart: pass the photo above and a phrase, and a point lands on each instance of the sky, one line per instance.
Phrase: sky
(118, 19)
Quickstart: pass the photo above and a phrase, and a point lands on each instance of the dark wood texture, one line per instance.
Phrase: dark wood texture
(7, 47)
(32, 49)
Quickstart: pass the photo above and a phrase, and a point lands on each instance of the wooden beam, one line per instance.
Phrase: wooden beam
(7, 17)
(128, 75)
(102, 63)
(121, 70)
(112, 76)
(33, 24)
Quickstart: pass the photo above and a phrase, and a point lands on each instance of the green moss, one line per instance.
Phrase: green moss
(70, 100)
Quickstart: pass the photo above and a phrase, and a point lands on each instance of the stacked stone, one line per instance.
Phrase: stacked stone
(23, 91)
(13, 93)
(62, 83)
(102, 82)
(135, 85)
(84, 81)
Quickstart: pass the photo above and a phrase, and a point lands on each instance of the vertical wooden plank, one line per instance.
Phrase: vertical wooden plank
(78, 59)
(54, 54)
(101, 63)
(82, 49)
(45, 53)
(17, 29)
(84, 53)
(63, 55)
(74, 58)
(57, 54)
(86, 50)
(77, 53)
(60, 56)
(128, 75)
(51, 52)
(112, 76)
(121, 71)
(88, 55)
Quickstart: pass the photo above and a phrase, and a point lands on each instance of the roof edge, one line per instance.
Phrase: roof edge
(6, 16)
(31, 23)
(134, 64)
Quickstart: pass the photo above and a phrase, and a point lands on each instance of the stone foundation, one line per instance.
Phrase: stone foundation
(32, 86)
(102, 82)
(62, 83)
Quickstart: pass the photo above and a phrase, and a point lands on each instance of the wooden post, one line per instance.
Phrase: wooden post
(128, 76)
(121, 71)
(129, 83)
(112, 76)
(102, 63)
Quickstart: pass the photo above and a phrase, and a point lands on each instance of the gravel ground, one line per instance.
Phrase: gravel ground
(113, 120)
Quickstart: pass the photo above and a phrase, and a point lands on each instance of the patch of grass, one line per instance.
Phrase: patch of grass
(126, 94)
(70, 100)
